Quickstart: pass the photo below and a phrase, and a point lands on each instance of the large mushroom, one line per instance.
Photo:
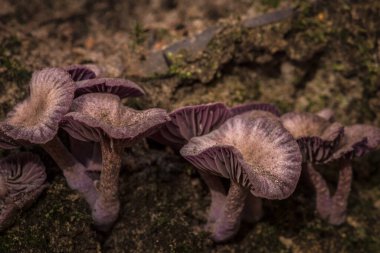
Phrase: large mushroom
(258, 156)
(198, 120)
(323, 141)
(22, 180)
(100, 117)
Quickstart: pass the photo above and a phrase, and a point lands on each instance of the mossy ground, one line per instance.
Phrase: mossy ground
(326, 56)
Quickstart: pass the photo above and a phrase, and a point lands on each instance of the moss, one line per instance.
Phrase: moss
(59, 222)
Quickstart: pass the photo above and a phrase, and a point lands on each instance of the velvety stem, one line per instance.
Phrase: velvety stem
(107, 207)
(253, 209)
(73, 170)
(323, 199)
(218, 197)
(228, 223)
(339, 200)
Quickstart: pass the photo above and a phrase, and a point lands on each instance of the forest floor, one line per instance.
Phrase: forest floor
(317, 55)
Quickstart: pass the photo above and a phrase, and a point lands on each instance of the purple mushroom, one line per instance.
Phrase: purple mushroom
(87, 80)
(323, 141)
(100, 117)
(191, 121)
(36, 121)
(258, 156)
(22, 180)
(357, 141)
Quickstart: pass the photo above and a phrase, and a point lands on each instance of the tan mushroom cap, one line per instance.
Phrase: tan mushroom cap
(36, 119)
(259, 154)
(308, 124)
(97, 114)
(317, 137)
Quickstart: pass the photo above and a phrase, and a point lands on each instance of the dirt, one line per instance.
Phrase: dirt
(326, 55)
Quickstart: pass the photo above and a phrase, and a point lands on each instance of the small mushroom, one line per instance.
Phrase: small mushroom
(357, 141)
(258, 156)
(22, 179)
(323, 141)
(100, 117)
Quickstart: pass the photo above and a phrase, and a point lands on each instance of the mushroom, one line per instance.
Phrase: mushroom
(357, 141)
(36, 121)
(197, 120)
(258, 156)
(87, 80)
(22, 180)
(100, 117)
(321, 142)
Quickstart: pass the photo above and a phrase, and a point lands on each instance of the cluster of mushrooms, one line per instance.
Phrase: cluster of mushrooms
(260, 152)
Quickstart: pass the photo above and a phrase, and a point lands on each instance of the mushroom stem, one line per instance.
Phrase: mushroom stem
(339, 200)
(74, 172)
(229, 221)
(253, 209)
(218, 197)
(106, 209)
(323, 200)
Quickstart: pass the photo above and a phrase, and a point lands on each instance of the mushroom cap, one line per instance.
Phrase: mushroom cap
(83, 72)
(357, 140)
(254, 107)
(20, 174)
(121, 87)
(191, 121)
(317, 137)
(259, 154)
(36, 119)
(197, 120)
(95, 115)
